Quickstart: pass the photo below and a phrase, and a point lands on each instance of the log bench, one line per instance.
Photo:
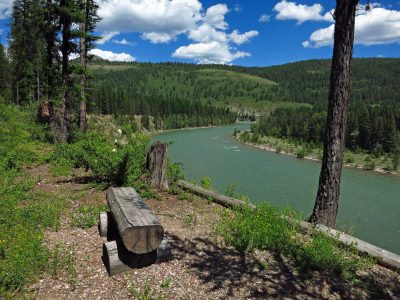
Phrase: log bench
(135, 237)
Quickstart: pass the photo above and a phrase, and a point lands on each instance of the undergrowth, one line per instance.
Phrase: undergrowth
(265, 229)
(24, 213)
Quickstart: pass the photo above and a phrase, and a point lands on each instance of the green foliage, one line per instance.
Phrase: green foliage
(230, 189)
(369, 163)
(190, 220)
(5, 77)
(206, 182)
(266, 228)
(147, 292)
(62, 263)
(115, 163)
(301, 153)
(18, 132)
(175, 172)
(87, 216)
(166, 283)
(23, 217)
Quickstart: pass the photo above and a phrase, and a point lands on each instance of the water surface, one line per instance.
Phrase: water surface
(369, 203)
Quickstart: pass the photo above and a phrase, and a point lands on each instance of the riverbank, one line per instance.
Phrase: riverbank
(363, 161)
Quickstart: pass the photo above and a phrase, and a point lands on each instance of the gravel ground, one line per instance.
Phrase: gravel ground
(201, 266)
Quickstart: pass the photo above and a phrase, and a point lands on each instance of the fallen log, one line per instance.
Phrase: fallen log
(139, 229)
(118, 259)
(218, 198)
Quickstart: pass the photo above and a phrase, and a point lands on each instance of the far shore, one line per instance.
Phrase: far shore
(268, 148)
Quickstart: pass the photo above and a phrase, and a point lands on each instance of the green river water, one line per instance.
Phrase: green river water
(369, 203)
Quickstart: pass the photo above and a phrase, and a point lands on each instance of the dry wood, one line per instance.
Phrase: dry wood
(157, 165)
(103, 224)
(218, 198)
(118, 259)
(139, 229)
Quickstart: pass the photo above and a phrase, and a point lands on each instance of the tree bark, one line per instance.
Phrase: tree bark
(158, 166)
(82, 50)
(327, 201)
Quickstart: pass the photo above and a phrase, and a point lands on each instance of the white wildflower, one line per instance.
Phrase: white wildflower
(114, 150)
(119, 131)
(116, 141)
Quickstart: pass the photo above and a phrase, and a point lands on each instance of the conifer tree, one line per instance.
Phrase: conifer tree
(4, 74)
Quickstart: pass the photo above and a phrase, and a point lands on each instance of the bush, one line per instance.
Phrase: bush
(301, 153)
(117, 163)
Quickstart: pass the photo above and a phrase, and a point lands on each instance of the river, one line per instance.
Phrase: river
(369, 203)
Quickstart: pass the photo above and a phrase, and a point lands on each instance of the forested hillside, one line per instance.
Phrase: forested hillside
(375, 80)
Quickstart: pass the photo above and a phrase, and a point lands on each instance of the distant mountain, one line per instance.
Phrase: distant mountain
(375, 81)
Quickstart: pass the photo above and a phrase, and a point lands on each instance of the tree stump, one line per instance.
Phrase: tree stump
(157, 165)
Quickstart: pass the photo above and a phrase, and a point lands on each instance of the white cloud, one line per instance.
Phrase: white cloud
(212, 44)
(158, 37)
(379, 26)
(300, 12)
(106, 36)
(124, 41)
(215, 16)
(238, 38)
(157, 20)
(209, 53)
(206, 33)
(111, 56)
(5, 8)
(264, 18)
(162, 21)
(237, 8)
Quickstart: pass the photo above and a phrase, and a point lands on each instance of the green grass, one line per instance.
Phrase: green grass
(87, 216)
(215, 74)
(265, 229)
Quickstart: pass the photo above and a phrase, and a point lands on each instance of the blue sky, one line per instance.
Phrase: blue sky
(249, 33)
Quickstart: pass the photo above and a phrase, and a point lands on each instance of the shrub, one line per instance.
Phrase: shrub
(175, 172)
(301, 153)
(205, 182)
(118, 163)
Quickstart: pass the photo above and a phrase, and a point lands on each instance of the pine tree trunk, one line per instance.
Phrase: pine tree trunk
(82, 44)
(326, 204)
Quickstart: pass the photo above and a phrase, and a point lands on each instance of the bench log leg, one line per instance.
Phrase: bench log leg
(118, 259)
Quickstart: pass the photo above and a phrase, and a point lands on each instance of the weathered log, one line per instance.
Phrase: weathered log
(103, 224)
(157, 165)
(218, 198)
(118, 259)
(107, 226)
(139, 229)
